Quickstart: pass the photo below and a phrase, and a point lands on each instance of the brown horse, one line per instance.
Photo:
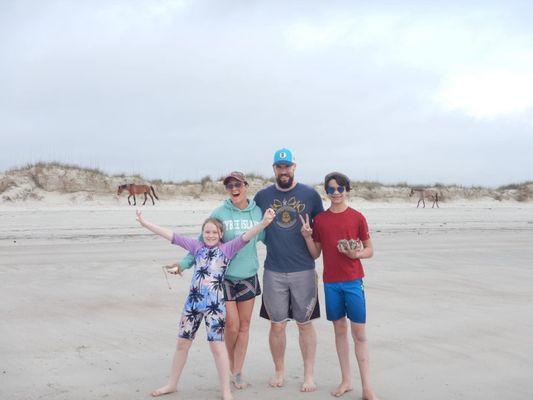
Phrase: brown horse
(430, 194)
(134, 189)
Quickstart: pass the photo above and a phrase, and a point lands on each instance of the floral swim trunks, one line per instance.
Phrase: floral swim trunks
(203, 304)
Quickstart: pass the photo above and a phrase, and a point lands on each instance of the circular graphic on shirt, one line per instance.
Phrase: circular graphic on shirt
(287, 212)
(286, 216)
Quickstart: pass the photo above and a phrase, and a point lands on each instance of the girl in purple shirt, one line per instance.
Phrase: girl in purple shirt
(205, 299)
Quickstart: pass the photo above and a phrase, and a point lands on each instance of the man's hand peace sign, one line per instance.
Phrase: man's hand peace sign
(306, 230)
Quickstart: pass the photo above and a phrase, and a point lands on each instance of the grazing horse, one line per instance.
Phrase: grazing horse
(430, 194)
(134, 189)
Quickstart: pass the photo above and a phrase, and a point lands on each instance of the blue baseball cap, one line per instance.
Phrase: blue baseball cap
(283, 156)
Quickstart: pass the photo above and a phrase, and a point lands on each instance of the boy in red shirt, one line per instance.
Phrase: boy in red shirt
(343, 273)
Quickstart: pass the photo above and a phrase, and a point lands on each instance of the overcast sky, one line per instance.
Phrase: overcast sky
(182, 89)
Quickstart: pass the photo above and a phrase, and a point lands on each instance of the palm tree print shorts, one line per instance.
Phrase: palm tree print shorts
(206, 304)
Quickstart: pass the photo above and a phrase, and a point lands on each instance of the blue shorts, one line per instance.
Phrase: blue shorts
(345, 298)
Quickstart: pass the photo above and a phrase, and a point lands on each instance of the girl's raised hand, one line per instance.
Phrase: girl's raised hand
(139, 217)
(269, 216)
(306, 230)
(158, 230)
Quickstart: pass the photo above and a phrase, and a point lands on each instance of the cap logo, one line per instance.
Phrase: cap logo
(282, 155)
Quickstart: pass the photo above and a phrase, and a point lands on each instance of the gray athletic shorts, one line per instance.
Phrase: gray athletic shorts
(290, 295)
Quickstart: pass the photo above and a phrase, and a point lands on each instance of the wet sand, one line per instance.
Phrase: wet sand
(87, 314)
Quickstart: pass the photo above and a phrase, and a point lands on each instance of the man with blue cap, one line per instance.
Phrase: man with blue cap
(290, 283)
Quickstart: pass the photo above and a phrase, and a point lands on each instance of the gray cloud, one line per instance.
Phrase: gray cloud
(179, 90)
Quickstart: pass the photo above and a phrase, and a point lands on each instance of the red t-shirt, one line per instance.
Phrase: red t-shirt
(328, 229)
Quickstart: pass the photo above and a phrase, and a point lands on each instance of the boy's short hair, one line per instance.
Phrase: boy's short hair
(342, 180)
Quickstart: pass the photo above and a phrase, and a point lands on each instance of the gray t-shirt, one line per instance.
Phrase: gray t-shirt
(286, 247)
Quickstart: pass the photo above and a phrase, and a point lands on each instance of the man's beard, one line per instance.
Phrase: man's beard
(285, 185)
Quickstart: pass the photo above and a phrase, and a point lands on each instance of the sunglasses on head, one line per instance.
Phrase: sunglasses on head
(331, 190)
(236, 185)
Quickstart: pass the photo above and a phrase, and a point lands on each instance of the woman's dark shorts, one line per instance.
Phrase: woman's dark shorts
(241, 289)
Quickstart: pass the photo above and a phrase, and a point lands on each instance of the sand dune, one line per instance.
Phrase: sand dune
(60, 184)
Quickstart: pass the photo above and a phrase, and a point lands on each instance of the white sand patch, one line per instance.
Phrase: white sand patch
(87, 314)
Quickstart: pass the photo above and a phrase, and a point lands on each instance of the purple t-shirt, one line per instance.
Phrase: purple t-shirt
(192, 245)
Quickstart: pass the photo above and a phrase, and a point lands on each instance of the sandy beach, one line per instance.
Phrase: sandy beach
(87, 313)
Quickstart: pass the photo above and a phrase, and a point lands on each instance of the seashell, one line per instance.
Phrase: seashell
(354, 244)
(343, 244)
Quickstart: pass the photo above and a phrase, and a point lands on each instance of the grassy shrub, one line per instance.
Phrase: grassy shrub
(404, 185)
(34, 175)
(523, 194)
(369, 185)
(6, 184)
(511, 186)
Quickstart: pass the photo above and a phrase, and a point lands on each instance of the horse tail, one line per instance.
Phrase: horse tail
(153, 192)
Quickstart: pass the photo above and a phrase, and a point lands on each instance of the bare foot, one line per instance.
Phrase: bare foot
(278, 380)
(164, 390)
(308, 385)
(227, 396)
(342, 388)
(238, 382)
(368, 394)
